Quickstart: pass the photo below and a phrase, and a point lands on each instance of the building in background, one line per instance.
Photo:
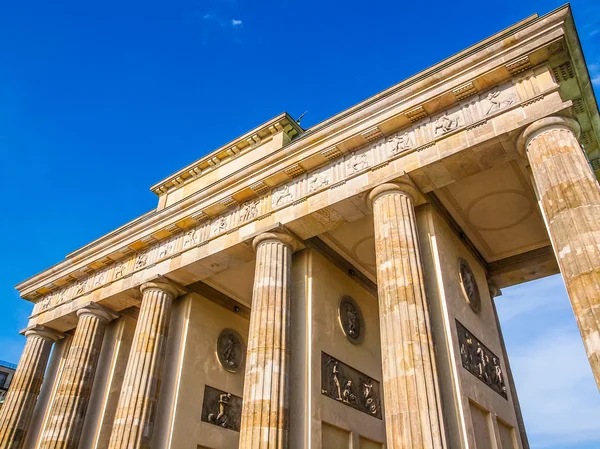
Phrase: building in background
(333, 287)
(7, 370)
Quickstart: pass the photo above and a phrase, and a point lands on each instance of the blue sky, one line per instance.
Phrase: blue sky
(100, 100)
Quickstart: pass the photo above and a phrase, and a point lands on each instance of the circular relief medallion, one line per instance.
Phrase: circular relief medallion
(230, 350)
(469, 285)
(351, 320)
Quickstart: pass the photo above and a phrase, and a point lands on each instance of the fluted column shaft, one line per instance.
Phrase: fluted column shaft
(134, 419)
(67, 412)
(570, 198)
(409, 373)
(16, 413)
(265, 411)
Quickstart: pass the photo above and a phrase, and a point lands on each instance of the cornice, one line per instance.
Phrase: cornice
(330, 142)
(248, 141)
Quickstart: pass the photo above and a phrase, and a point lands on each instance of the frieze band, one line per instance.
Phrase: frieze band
(423, 132)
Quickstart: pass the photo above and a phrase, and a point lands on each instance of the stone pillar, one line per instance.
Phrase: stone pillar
(16, 413)
(265, 411)
(67, 412)
(134, 418)
(495, 292)
(569, 196)
(410, 386)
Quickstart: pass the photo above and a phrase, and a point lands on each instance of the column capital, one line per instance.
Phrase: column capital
(91, 308)
(543, 125)
(404, 186)
(43, 332)
(280, 237)
(163, 284)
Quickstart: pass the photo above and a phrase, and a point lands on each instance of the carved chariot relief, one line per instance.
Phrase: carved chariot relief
(469, 285)
(221, 409)
(349, 386)
(351, 320)
(480, 361)
(231, 350)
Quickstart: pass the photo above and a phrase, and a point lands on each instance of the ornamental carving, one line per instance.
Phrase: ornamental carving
(357, 162)
(221, 409)
(219, 225)
(249, 211)
(480, 361)
(496, 100)
(400, 142)
(319, 179)
(349, 386)
(469, 285)
(282, 196)
(446, 123)
(230, 350)
(351, 320)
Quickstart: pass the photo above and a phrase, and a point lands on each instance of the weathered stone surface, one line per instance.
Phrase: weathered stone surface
(411, 393)
(141, 385)
(265, 420)
(570, 198)
(16, 413)
(67, 413)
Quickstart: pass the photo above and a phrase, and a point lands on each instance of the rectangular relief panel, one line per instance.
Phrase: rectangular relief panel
(221, 409)
(349, 386)
(480, 361)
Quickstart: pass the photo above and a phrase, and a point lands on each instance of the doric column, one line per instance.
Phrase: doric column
(569, 196)
(67, 412)
(265, 411)
(134, 419)
(16, 413)
(411, 393)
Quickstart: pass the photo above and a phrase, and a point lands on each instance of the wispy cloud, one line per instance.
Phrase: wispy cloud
(554, 381)
(236, 22)
(595, 74)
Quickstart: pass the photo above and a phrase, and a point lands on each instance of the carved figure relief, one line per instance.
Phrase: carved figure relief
(221, 408)
(80, 287)
(219, 225)
(351, 319)
(231, 350)
(141, 259)
(497, 99)
(282, 196)
(45, 303)
(349, 386)
(399, 142)
(318, 180)
(480, 361)
(165, 249)
(445, 123)
(120, 270)
(189, 238)
(100, 279)
(469, 285)
(357, 162)
(249, 211)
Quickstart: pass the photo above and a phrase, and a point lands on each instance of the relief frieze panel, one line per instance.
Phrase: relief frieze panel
(422, 133)
(221, 408)
(349, 386)
(480, 361)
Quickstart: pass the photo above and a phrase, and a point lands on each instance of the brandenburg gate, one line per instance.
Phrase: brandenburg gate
(333, 287)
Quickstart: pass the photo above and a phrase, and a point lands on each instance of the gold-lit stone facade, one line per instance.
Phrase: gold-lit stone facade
(332, 287)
